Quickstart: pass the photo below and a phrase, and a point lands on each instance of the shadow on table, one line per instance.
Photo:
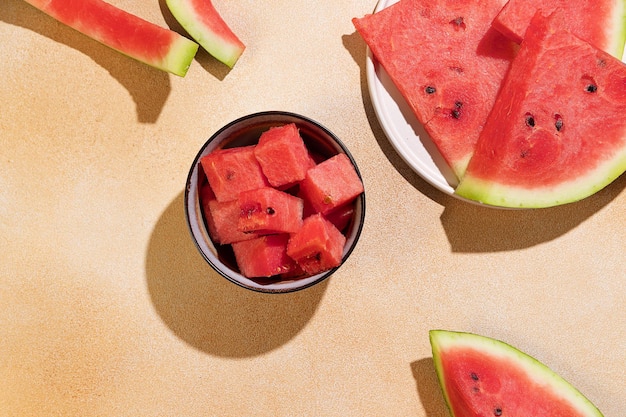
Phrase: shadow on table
(428, 388)
(473, 228)
(148, 86)
(207, 311)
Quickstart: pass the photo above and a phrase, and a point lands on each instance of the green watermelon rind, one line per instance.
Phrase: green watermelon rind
(178, 59)
(441, 340)
(225, 47)
(506, 195)
(619, 29)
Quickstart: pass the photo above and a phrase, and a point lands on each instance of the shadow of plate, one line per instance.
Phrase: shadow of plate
(210, 313)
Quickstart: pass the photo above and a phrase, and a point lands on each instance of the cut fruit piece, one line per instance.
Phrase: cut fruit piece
(222, 219)
(557, 132)
(263, 256)
(480, 376)
(269, 211)
(446, 61)
(231, 171)
(599, 22)
(331, 184)
(283, 156)
(204, 23)
(317, 246)
(126, 33)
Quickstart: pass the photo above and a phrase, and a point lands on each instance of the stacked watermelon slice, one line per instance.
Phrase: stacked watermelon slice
(526, 108)
(281, 209)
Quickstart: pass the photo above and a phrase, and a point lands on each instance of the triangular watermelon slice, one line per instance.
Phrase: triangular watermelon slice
(481, 376)
(447, 62)
(599, 22)
(557, 132)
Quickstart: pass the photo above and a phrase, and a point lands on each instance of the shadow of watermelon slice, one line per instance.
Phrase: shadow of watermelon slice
(148, 86)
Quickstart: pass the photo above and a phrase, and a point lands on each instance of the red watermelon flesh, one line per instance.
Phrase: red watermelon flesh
(231, 171)
(447, 62)
(484, 377)
(599, 22)
(283, 156)
(331, 184)
(268, 211)
(124, 32)
(557, 132)
(317, 246)
(264, 256)
(222, 220)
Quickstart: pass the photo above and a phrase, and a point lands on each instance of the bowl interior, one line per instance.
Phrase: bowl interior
(243, 132)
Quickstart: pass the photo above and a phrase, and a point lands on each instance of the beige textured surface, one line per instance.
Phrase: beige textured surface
(107, 309)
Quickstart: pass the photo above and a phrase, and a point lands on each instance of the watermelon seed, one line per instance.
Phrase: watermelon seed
(530, 120)
(430, 89)
(456, 112)
(270, 211)
(497, 411)
(559, 122)
(474, 376)
(458, 23)
(592, 88)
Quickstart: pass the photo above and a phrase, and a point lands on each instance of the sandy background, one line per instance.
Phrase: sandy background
(107, 309)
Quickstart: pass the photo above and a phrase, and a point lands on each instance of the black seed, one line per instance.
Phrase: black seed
(530, 120)
(458, 23)
(497, 411)
(270, 211)
(430, 90)
(601, 62)
(458, 104)
(558, 123)
(591, 88)
(474, 376)
(456, 113)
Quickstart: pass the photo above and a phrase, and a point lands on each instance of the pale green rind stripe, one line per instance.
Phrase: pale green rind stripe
(179, 58)
(442, 340)
(186, 16)
(503, 195)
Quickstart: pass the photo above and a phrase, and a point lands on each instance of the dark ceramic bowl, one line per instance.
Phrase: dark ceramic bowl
(246, 131)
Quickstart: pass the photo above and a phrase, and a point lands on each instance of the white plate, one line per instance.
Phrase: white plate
(404, 131)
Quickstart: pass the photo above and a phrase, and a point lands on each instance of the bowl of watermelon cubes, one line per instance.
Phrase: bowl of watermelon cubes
(274, 202)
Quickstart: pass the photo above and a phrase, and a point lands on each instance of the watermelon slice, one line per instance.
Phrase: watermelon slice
(204, 23)
(232, 170)
(331, 184)
(446, 61)
(480, 377)
(267, 210)
(557, 132)
(599, 22)
(124, 32)
(264, 256)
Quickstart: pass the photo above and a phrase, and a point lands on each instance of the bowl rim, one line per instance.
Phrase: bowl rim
(191, 206)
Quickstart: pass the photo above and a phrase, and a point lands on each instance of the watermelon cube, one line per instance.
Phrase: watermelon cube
(317, 246)
(283, 156)
(222, 218)
(231, 171)
(263, 256)
(268, 211)
(331, 184)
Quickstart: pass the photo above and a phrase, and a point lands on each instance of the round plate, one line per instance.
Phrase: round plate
(404, 131)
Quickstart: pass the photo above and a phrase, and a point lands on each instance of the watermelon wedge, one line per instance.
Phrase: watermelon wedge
(204, 23)
(480, 376)
(126, 33)
(603, 27)
(557, 132)
(447, 62)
